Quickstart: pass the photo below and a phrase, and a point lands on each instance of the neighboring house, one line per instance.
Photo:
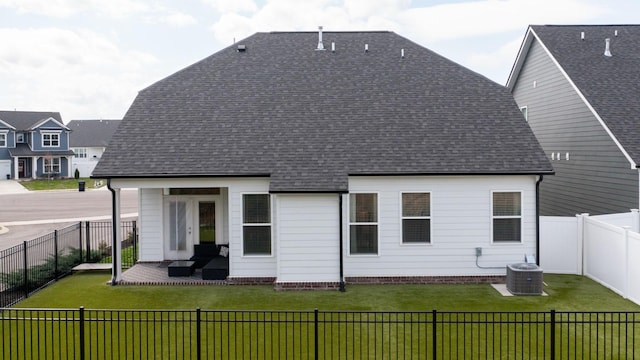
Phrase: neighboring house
(88, 140)
(581, 97)
(374, 160)
(33, 144)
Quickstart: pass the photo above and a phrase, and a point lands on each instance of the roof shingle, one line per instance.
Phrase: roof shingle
(310, 118)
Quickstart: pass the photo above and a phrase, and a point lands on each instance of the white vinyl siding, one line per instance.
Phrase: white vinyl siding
(460, 221)
(150, 218)
(308, 238)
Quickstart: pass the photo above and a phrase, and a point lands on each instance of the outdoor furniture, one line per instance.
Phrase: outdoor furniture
(181, 268)
(216, 269)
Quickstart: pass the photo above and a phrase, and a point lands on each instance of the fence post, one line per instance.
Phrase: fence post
(81, 335)
(198, 335)
(315, 334)
(55, 254)
(552, 349)
(625, 292)
(87, 239)
(135, 243)
(26, 269)
(80, 240)
(434, 337)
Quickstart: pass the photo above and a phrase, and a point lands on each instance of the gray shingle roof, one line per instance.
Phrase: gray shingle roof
(25, 120)
(25, 150)
(610, 84)
(91, 133)
(309, 118)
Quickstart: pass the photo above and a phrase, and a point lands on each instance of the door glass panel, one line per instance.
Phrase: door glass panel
(178, 225)
(207, 221)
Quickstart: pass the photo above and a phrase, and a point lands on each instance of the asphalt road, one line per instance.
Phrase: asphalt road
(36, 213)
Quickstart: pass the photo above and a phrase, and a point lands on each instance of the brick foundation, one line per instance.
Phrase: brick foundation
(250, 280)
(479, 279)
(281, 286)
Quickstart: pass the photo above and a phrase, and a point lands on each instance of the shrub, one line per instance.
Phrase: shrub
(76, 174)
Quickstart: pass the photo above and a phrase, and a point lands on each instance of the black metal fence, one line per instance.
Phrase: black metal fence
(32, 265)
(201, 334)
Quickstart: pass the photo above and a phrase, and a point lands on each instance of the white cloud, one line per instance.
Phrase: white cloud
(234, 6)
(178, 19)
(67, 8)
(497, 62)
(81, 73)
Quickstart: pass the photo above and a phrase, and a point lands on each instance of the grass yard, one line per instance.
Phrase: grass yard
(61, 184)
(566, 293)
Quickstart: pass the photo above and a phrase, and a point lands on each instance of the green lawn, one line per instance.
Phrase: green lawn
(60, 184)
(566, 293)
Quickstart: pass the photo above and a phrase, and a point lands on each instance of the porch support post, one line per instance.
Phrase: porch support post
(34, 166)
(116, 247)
(69, 174)
(16, 161)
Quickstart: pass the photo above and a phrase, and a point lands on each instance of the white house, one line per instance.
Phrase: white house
(330, 158)
(88, 141)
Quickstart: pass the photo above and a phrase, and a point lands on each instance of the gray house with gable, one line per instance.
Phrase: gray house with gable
(321, 159)
(33, 144)
(579, 88)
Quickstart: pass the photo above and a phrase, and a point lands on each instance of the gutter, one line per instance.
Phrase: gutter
(342, 289)
(538, 219)
(114, 233)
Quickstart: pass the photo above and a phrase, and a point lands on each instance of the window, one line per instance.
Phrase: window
(3, 139)
(20, 138)
(363, 223)
(524, 112)
(50, 139)
(416, 218)
(507, 216)
(51, 165)
(256, 227)
(80, 153)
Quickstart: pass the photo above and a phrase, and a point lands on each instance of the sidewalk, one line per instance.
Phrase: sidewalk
(11, 187)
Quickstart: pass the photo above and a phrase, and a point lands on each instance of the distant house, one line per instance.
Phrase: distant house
(88, 141)
(330, 158)
(579, 88)
(33, 144)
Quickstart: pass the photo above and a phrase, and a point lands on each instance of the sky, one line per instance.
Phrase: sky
(88, 59)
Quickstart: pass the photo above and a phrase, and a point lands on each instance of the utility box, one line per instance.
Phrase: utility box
(524, 279)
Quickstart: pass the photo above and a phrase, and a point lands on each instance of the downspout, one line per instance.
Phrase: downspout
(342, 289)
(114, 230)
(538, 219)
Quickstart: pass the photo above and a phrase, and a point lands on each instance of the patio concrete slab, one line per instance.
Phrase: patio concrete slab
(502, 289)
(157, 273)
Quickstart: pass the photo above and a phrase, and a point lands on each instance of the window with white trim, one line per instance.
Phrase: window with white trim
(51, 165)
(507, 216)
(363, 224)
(3, 139)
(50, 140)
(20, 138)
(80, 152)
(256, 224)
(416, 218)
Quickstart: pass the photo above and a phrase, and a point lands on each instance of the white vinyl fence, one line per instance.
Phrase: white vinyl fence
(605, 248)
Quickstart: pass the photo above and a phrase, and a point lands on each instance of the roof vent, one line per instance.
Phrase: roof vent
(320, 46)
(242, 48)
(402, 53)
(366, 47)
(582, 35)
(615, 33)
(607, 48)
(333, 47)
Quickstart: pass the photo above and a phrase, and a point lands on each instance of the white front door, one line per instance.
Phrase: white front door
(179, 229)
